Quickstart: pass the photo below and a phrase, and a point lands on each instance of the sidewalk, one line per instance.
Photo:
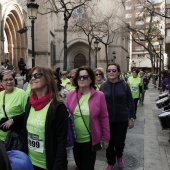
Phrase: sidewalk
(147, 146)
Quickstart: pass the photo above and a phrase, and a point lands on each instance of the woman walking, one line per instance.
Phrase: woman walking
(121, 113)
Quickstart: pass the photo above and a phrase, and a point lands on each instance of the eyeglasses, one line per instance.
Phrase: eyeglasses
(10, 79)
(36, 75)
(99, 74)
(72, 77)
(84, 77)
(111, 70)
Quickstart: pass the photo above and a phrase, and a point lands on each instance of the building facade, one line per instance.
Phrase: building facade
(147, 24)
(48, 31)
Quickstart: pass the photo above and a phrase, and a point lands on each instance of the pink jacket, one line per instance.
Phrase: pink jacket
(99, 121)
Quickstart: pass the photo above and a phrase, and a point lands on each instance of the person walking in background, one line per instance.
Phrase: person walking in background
(12, 102)
(21, 66)
(145, 82)
(135, 84)
(120, 107)
(45, 124)
(70, 85)
(2, 67)
(88, 107)
(165, 80)
(99, 78)
(64, 79)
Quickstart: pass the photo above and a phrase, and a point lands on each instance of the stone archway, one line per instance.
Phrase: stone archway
(79, 60)
(15, 44)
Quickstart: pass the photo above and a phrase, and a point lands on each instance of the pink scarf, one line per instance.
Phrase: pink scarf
(39, 103)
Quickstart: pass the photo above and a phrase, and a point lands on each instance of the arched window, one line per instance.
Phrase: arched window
(79, 60)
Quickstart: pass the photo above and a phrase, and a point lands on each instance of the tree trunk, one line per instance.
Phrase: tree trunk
(106, 55)
(65, 43)
(89, 54)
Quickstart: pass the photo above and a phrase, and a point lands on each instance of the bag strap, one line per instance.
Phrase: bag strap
(4, 105)
(82, 116)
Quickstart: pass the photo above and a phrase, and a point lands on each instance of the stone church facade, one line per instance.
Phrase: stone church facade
(49, 37)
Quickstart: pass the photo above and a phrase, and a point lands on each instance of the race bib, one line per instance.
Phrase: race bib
(134, 89)
(35, 143)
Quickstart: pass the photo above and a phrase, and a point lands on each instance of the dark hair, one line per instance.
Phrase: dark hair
(136, 70)
(90, 73)
(7, 72)
(49, 79)
(164, 73)
(100, 71)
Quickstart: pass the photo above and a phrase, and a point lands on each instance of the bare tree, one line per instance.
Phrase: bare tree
(66, 7)
(147, 33)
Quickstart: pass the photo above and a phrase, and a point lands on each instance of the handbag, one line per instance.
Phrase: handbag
(96, 147)
(4, 119)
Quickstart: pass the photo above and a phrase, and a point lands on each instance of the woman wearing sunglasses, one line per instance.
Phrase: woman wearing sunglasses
(88, 107)
(12, 104)
(121, 113)
(45, 123)
(99, 78)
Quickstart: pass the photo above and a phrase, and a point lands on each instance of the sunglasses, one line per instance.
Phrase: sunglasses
(10, 79)
(84, 77)
(99, 74)
(111, 70)
(36, 75)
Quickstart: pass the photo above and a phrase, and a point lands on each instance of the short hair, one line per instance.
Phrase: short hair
(90, 73)
(49, 79)
(7, 72)
(136, 70)
(98, 70)
(114, 64)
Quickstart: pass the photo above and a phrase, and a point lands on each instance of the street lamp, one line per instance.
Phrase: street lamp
(127, 59)
(114, 56)
(32, 7)
(160, 39)
(96, 43)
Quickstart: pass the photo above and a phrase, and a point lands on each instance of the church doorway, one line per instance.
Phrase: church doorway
(79, 60)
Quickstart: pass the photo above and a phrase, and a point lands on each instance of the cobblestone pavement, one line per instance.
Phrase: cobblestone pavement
(147, 146)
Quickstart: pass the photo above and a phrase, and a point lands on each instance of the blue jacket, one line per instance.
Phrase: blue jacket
(119, 100)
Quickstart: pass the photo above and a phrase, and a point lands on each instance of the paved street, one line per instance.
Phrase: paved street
(147, 146)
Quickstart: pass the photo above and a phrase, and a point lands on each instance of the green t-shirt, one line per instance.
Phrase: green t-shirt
(36, 136)
(64, 82)
(14, 105)
(134, 84)
(82, 135)
(98, 86)
(70, 87)
(28, 89)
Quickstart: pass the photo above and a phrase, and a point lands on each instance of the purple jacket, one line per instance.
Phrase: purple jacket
(99, 121)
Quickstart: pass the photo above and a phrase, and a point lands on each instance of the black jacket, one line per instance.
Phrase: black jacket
(119, 100)
(55, 135)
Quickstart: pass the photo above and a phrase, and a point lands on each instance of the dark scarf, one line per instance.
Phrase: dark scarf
(39, 103)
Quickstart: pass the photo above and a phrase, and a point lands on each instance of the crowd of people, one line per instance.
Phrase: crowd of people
(102, 105)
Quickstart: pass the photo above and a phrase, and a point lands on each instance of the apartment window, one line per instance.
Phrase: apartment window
(168, 12)
(168, 32)
(139, 6)
(138, 48)
(128, 15)
(139, 22)
(128, 7)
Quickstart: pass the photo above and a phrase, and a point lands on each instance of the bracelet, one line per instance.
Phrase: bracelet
(132, 119)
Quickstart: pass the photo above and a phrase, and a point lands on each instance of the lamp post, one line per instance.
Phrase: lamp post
(127, 59)
(160, 39)
(32, 7)
(96, 43)
(114, 56)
